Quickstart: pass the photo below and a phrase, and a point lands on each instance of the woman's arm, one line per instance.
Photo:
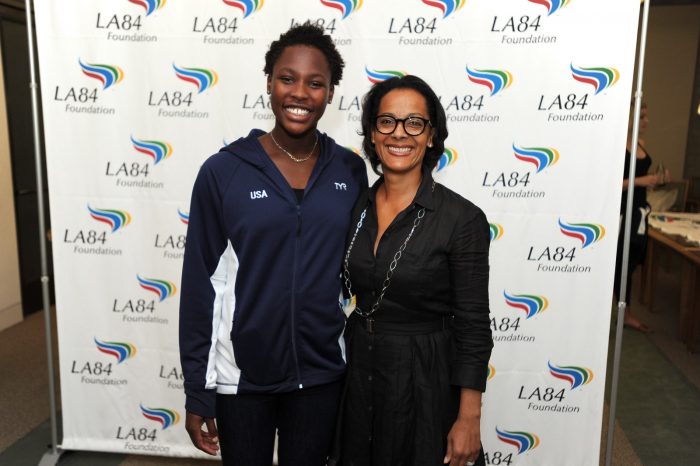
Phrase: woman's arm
(469, 277)
(200, 310)
(468, 260)
(646, 181)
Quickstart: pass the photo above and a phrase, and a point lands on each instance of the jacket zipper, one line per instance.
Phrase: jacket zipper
(314, 176)
(297, 239)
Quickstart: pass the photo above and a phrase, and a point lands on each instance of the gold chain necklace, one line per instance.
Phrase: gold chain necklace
(295, 159)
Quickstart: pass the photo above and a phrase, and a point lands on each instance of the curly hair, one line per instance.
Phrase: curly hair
(310, 35)
(370, 108)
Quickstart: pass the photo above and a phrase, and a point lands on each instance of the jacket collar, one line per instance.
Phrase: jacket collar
(424, 195)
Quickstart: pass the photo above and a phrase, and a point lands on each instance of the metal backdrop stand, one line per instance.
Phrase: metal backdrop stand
(51, 457)
(622, 305)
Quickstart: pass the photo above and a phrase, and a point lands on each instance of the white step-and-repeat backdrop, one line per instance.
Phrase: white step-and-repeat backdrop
(137, 93)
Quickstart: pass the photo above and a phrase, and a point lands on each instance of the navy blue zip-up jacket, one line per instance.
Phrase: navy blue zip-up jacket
(259, 307)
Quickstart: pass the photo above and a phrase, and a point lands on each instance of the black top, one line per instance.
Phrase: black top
(299, 193)
(443, 271)
(640, 192)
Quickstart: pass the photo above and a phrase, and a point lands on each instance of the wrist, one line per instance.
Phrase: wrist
(468, 417)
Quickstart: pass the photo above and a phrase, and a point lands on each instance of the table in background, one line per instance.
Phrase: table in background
(684, 245)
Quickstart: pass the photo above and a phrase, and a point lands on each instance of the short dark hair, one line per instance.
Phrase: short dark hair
(438, 120)
(310, 35)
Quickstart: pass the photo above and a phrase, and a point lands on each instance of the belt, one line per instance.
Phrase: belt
(401, 328)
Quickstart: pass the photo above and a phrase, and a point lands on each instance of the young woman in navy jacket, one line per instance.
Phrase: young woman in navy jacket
(260, 325)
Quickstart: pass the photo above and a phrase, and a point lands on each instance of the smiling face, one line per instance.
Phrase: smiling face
(299, 89)
(400, 152)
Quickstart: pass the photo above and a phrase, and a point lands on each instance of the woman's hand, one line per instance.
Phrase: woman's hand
(205, 440)
(648, 181)
(463, 442)
(464, 439)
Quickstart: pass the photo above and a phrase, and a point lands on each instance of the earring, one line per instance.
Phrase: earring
(268, 92)
(430, 144)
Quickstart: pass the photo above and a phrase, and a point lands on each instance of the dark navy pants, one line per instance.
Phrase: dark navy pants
(304, 418)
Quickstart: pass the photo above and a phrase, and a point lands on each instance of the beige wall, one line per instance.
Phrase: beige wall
(668, 82)
(10, 297)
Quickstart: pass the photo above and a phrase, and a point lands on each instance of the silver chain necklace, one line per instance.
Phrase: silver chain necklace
(392, 266)
(296, 159)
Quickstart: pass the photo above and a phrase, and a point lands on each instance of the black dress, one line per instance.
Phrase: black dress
(640, 222)
(429, 337)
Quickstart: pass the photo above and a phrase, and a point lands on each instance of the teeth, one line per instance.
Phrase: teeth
(297, 110)
(400, 150)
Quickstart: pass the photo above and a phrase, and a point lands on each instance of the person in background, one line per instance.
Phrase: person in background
(640, 213)
(419, 339)
(260, 324)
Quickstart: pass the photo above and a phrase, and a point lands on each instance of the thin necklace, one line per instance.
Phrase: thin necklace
(295, 159)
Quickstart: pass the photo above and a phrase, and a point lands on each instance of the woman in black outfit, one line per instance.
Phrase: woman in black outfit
(419, 339)
(640, 213)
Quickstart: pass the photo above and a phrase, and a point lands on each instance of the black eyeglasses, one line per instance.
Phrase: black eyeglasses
(413, 126)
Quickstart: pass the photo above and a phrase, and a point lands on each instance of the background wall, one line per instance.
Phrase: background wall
(672, 48)
(10, 296)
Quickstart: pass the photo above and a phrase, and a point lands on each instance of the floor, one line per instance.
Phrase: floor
(659, 393)
(658, 415)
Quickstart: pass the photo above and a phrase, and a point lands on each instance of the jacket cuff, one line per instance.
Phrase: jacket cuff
(201, 402)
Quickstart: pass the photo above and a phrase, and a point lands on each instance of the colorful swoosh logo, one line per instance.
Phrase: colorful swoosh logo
(575, 375)
(449, 157)
(495, 80)
(246, 6)
(157, 150)
(552, 5)
(588, 233)
(201, 77)
(149, 5)
(600, 78)
(121, 351)
(166, 417)
(345, 6)
(491, 372)
(163, 288)
(495, 231)
(108, 75)
(350, 303)
(377, 76)
(540, 157)
(523, 441)
(116, 219)
(446, 6)
(184, 216)
(530, 303)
